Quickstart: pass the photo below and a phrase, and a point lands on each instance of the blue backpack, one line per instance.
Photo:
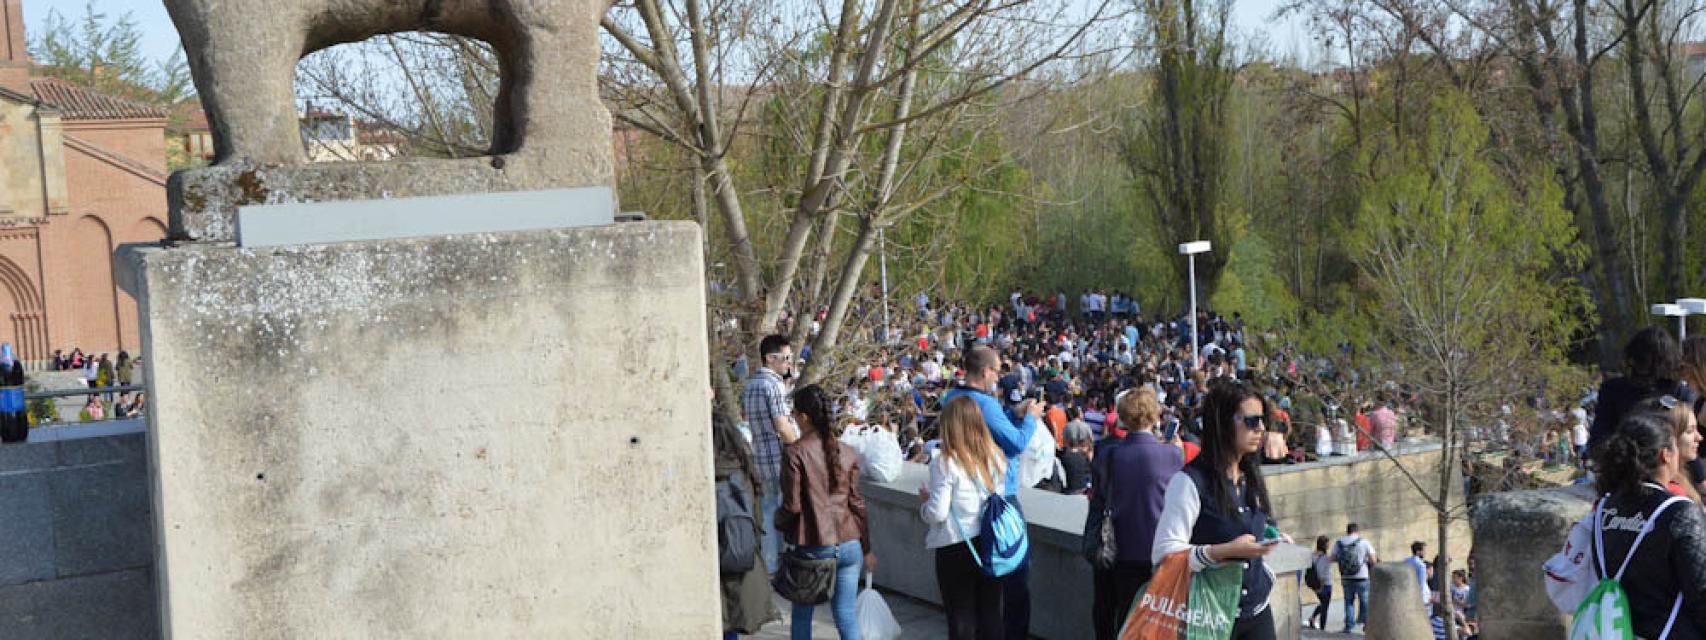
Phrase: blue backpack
(1003, 541)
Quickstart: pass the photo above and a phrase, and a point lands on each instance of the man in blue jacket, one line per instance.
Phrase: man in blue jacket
(982, 367)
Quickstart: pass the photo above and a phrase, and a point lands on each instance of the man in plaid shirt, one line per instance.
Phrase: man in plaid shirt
(764, 404)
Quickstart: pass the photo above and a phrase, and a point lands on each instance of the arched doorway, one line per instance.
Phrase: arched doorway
(21, 321)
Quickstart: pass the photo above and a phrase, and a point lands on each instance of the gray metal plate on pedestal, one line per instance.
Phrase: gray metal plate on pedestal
(272, 225)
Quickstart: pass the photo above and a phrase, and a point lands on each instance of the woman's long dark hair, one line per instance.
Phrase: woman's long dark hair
(813, 401)
(1220, 433)
(1630, 456)
(1651, 356)
(727, 441)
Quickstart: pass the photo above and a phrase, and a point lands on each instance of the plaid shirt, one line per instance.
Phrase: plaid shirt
(762, 401)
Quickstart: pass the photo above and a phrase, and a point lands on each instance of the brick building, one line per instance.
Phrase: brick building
(82, 172)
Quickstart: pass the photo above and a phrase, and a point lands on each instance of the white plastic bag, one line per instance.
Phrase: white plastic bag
(876, 622)
(879, 452)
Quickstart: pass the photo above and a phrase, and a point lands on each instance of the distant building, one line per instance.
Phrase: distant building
(83, 172)
(328, 136)
(1694, 59)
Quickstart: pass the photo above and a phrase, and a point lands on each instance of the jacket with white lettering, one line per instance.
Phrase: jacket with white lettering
(1671, 560)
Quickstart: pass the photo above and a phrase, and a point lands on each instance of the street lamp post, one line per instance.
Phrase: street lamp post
(883, 262)
(1690, 307)
(1190, 250)
(1676, 311)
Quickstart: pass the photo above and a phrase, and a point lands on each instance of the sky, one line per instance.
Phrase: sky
(160, 38)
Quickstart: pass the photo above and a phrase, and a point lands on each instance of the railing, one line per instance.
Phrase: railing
(63, 420)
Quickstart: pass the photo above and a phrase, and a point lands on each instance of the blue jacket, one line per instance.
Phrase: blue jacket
(1012, 439)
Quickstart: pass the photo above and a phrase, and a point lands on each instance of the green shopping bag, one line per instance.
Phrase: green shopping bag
(1179, 605)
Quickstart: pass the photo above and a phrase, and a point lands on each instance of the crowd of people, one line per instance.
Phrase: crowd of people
(1166, 438)
(101, 372)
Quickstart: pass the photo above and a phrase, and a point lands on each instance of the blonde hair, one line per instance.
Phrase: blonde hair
(966, 442)
(1139, 409)
(1677, 415)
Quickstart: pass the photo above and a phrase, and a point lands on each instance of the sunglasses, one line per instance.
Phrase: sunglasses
(1253, 423)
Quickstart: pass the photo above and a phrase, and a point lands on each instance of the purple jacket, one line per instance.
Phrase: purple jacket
(1136, 472)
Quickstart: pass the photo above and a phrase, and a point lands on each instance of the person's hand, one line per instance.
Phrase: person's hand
(1286, 538)
(870, 561)
(923, 493)
(1244, 547)
(1035, 410)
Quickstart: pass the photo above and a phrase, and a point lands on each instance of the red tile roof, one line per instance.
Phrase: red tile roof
(77, 103)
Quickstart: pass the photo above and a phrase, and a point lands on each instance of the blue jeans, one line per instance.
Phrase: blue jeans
(850, 562)
(1355, 591)
(771, 545)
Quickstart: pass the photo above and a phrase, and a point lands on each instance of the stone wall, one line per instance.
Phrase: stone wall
(1320, 498)
(488, 435)
(78, 543)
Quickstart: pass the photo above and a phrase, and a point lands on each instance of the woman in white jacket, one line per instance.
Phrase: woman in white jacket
(961, 477)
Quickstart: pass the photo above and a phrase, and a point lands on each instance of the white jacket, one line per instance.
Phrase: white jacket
(949, 485)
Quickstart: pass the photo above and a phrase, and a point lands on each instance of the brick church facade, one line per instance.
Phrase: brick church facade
(82, 172)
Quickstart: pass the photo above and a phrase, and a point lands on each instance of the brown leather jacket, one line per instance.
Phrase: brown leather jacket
(810, 514)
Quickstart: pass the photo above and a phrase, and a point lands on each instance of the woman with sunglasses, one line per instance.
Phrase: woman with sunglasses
(1217, 507)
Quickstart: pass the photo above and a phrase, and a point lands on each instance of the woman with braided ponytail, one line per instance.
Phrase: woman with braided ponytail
(822, 513)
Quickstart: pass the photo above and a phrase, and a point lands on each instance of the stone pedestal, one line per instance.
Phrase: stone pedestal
(1396, 611)
(489, 435)
(1514, 535)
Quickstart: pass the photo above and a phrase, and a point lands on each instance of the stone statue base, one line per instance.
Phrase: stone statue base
(489, 435)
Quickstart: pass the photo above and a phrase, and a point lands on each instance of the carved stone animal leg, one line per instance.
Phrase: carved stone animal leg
(554, 105)
(244, 68)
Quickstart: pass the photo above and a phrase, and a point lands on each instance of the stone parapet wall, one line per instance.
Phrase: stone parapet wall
(79, 546)
(1320, 498)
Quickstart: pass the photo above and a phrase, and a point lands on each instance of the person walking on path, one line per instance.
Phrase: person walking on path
(747, 605)
(822, 513)
(962, 476)
(764, 406)
(1418, 563)
(1217, 507)
(982, 367)
(1324, 568)
(1131, 478)
(1353, 555)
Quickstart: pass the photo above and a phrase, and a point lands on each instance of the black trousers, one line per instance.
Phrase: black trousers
(1016, 602)
(1257, 627)
(1114, 591)
(1325, 594)
(971, 598)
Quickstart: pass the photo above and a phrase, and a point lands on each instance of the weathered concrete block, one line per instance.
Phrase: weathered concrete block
(1514, 535)
(475, 436)
(1395, 609)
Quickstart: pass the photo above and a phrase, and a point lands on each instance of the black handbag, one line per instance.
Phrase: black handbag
(804, 580)
(1101, 549)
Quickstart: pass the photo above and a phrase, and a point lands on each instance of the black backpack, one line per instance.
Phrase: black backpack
(1350, 557)
(737, 530)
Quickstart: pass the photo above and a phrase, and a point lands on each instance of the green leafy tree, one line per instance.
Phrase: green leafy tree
(105, 54)
(1464, 266)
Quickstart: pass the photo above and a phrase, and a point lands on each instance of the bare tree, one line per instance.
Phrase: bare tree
(916, 79)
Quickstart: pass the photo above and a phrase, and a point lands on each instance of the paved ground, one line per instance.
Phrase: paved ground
(921, 620)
